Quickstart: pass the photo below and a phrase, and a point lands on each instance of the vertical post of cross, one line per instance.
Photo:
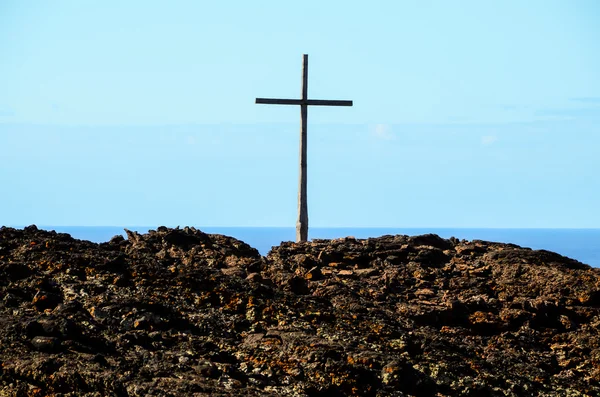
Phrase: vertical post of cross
(302, 223)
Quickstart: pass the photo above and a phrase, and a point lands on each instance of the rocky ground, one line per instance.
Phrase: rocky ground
(178, 312)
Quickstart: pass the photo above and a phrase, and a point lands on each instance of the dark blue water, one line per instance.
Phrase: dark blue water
(580, 244)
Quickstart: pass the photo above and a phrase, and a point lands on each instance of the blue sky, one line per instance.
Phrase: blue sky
(466, 113)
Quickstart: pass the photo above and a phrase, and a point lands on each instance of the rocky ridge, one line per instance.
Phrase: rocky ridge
(179, 312)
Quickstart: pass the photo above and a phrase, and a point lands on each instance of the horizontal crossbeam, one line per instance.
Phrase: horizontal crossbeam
(324, 102)
(310, 102)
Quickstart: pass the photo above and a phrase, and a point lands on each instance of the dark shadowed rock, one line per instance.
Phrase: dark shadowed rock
(180, 312)
(46, 344)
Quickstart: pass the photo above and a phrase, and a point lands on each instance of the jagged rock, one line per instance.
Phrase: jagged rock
(181, 312)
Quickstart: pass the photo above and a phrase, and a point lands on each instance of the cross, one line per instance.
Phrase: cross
(304, 102)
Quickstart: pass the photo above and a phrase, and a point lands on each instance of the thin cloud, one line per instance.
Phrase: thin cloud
(514, 107)
(590, 100)
(383, 131)
(587, 112)
(190, 140)
(488, 140)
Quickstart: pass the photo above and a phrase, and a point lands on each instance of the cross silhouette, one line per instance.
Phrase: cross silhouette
(304, 102)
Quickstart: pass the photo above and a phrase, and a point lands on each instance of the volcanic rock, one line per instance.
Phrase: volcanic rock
(178, 312)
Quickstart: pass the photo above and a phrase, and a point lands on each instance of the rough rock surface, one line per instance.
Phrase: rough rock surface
(178, 312)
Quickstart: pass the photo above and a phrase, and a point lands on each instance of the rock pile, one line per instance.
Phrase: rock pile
(178, 312)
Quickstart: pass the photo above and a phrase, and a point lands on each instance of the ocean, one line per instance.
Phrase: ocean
(580, 244)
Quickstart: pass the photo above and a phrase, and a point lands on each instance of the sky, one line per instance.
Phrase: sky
(466, 113)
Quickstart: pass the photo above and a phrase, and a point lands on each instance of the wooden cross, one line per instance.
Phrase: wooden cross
(304, 102)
